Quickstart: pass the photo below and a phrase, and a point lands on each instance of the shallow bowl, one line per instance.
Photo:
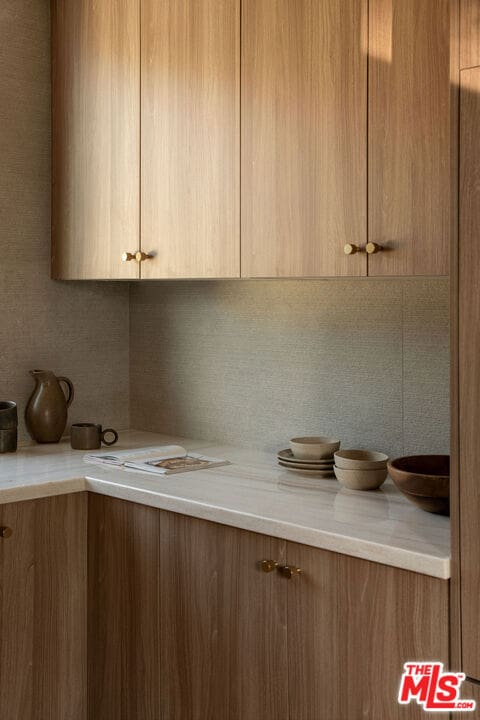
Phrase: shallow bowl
(360, 460)
(314, 448)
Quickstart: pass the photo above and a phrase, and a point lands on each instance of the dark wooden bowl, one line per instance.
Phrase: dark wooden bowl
(424, 480)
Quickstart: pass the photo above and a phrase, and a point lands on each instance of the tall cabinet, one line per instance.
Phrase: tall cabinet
(467, 521)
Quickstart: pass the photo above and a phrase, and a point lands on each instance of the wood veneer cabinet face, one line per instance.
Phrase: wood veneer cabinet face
(43, 609)
(96, 138)
(182, 623)
(352, 624)
(409, 158)
(304, 120)
(190, 196)
(469, 375)
(469, 33)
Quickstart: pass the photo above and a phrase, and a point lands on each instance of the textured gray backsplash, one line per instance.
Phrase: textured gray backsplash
(256, 362)
(75, 329)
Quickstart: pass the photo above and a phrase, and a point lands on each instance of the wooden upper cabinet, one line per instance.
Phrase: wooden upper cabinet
(469, 33)
(469, 379)
(96, 137)
(304, 93)
(190, 197)
(409, 137)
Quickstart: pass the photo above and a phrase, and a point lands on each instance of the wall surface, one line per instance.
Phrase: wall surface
(257, 362)
(75, 329)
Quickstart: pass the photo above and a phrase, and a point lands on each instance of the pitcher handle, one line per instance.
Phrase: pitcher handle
(71, 391)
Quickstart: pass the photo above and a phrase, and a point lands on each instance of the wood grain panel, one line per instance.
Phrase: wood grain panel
(471, 691)
(304, 74)
(190, 138)
(351, 626)
(223, 623)
(125, 582)
(469, 379)
(96, 138)
(43, 609)
(409, 137)
(455, 603)
(469, 33)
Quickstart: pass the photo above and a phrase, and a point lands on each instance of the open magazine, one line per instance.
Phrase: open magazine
(162, 460)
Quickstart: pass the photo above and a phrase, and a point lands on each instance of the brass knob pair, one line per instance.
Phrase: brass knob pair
(5, 532)
(288, 571)
(138, 256)
(370, 248)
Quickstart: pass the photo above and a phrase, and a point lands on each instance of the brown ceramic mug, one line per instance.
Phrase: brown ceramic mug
(90, 436)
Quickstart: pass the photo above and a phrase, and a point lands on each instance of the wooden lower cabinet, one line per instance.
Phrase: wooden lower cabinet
(184, 625)
(43, 582)
(352, 624)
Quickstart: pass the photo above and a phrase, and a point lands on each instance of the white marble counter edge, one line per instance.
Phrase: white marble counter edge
(322, 539)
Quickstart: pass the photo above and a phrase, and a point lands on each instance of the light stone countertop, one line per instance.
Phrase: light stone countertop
(253, 493)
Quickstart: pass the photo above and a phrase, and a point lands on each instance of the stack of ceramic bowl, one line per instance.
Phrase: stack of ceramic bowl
(360, 469)
(310, 456)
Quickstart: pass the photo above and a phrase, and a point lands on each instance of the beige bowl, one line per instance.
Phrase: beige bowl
(361, 479)
(360, 460)
(313, 448)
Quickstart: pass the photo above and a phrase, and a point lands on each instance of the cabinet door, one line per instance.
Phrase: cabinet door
(304, 132)
(351, 626)
(182, 623)
(96, 138)
(43, 609)
(190, 138)
(224, 635)
(409, 165)
(469, 377)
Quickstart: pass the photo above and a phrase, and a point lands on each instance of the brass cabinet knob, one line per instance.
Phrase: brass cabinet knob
(268, 565)
(289, 571)
(350, 249)
(141, 256)
(372, 248)
(5, 532)
(126, 256)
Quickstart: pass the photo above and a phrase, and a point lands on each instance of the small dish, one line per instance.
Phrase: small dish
(360, 459)
(288, 457)
(361, 479)
(302, 471)
(306, 465)
(314, 448)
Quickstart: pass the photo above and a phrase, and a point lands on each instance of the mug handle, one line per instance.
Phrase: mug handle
(71, 391)
(115, 436)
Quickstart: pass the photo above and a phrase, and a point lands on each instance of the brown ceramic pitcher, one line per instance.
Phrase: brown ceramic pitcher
(46, 411)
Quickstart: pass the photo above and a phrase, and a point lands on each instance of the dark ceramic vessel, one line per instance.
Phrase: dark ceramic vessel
(8, 426)
(424, 480)
(46, 411)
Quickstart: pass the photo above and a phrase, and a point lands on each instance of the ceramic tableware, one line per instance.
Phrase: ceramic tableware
(361, 479)
(313, 448)
(90, 436)
(360, 459)
(46, 411)
(8, 426)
